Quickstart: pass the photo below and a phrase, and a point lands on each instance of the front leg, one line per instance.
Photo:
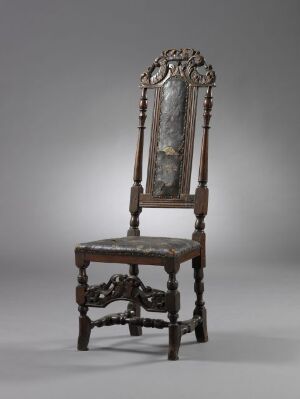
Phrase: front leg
(135, 331)
(173, 306)
(84, 320)
(200, 310)
(84, 329)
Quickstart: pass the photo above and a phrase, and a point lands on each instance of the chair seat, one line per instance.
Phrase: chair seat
(140, 246)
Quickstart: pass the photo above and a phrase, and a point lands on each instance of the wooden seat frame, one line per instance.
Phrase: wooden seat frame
(185, 64)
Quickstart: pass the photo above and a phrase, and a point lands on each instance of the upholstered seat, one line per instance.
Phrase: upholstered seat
(141, 246)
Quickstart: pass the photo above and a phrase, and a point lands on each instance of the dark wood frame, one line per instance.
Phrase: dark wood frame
(185, 63)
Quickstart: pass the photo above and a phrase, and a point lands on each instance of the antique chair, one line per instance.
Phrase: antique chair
(175, 77)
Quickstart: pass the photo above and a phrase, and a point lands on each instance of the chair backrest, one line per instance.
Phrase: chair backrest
(175, 77)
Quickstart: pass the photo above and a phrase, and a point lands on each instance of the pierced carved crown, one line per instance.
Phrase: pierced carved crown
(187, 63)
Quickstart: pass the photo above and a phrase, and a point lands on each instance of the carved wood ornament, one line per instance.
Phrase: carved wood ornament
(185, 63)
(128, 288)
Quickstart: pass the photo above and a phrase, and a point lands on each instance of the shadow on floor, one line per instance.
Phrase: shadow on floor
(233, 347)
(239, 347)
(58, 359)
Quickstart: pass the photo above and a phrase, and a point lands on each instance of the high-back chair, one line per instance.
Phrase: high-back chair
(175, 78)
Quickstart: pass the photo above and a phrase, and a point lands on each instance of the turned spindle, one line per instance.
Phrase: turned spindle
(201, 194)
(200, 210)
(137, 188)
(134, 206)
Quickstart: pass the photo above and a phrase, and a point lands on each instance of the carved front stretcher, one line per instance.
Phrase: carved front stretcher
(128, 288)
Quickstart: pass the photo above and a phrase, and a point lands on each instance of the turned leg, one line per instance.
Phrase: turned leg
(84, 329)
(84, 320)
(173, 306)
(134, 330)
(200, 310)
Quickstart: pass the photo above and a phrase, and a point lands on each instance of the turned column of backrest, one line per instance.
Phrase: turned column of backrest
(180, 71)
(137, 189)
(201, 193)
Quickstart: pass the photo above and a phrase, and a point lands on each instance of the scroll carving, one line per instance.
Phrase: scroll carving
(185, 63)
(124, 287)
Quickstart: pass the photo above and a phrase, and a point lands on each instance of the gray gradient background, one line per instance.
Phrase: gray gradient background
(68, 117)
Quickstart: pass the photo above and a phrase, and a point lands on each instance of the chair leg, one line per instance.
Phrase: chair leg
(173, 306)
(84, 320)
(84, 329)
(200, 310)
(174, 341)
(135, 331)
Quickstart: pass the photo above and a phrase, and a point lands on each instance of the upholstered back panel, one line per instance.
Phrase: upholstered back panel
(169, 151)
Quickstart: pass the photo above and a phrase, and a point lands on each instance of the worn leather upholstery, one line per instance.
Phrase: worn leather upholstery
(171, 134)
(140, 246)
